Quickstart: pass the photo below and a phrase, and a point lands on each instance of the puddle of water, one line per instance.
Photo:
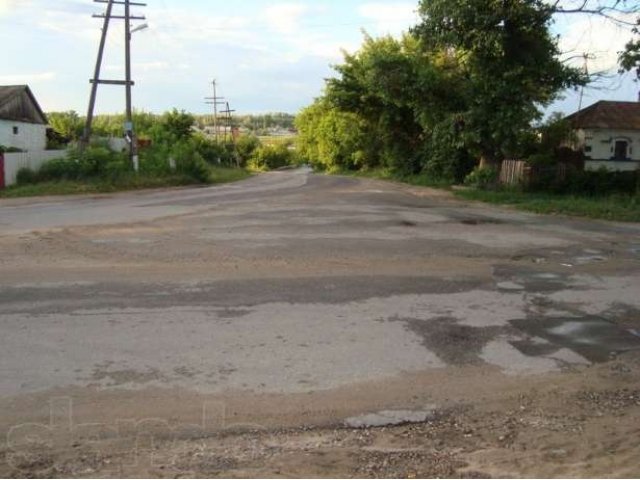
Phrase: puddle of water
(387, 418)
(587, 259)
(546, 276)
(510, 286)
(508, 277)
(592, 337)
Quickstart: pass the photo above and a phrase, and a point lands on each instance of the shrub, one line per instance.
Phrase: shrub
(602, 182)
(154, 161)
(59, 169)
(246, 147)
(4, 149)
(94, 162)
(26, 176)
(270, 157)
(483, 178)
(213, 152)
(189, 162)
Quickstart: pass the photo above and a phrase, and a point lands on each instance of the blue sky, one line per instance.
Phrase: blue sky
(266, 55)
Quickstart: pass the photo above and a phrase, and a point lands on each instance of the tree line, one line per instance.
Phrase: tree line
(466, 86)
(68, 126)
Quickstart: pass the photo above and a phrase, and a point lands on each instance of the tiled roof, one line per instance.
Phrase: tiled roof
(607, 114)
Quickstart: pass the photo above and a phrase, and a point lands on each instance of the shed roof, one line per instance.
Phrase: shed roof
(18, 103)
(608, 114)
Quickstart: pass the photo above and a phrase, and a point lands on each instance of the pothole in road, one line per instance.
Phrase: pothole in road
(481, 221)
(594, 338)
(519, 279)
(388, 418)
(407, 223)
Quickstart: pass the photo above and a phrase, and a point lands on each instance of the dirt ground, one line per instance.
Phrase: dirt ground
(296, 325)
(580, 423)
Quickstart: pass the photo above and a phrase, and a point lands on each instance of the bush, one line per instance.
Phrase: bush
(26, 176)
(189, 162)
(246, 147)
(270, 157)
(483, 178)
(602, 182)
(214, 153)
(94, 162)
(59, 169)
(4, 149)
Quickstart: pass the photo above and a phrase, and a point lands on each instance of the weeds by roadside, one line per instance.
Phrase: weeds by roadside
(613, 206)
(216, 175)
(617, 207)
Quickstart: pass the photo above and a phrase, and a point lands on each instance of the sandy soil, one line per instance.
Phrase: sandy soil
(580, 423)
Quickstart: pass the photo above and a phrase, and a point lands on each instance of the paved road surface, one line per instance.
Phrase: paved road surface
(294, 298)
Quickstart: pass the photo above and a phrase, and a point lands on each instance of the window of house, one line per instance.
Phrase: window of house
(588, 148)
(15, 130)
(620, 150)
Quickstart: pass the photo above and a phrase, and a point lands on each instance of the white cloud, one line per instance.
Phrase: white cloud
(285, 18)
(597, 37)
(26, 78)
(8, 7)
(390, 17)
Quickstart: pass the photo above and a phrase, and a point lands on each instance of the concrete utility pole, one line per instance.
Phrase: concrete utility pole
(127, 82)
(215, 101)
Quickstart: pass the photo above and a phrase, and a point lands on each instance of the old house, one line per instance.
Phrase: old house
(609, 135)
(23, 124)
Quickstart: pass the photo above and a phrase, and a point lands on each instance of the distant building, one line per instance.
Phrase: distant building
(609, 135)
(23, 124)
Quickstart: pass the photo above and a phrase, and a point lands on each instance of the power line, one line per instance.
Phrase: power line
(215, 101)
(107, 16)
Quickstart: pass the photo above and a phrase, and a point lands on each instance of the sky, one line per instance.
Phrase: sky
(267, 56)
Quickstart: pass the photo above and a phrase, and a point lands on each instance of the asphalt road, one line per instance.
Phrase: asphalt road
(294, 298)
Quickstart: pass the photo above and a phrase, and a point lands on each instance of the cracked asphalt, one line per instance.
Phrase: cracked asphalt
(356, 295)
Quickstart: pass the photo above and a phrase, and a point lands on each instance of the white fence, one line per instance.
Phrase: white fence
(33, 160)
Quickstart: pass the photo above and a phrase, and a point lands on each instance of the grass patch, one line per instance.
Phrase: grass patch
(421, 179)
(129, 182)
(623, 208)
(616, 207)
(228, 175)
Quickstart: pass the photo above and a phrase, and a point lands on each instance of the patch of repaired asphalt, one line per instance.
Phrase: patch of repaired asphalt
(452, 342)
(230, 294)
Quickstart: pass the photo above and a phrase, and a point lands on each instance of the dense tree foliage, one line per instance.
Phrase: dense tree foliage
(466, 83)
(630, 57)
(68, 125)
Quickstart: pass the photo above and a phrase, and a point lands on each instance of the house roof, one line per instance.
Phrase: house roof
(608, 114)
(17, 103)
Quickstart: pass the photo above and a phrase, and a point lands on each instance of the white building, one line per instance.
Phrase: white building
(23, 124)
(609, 135)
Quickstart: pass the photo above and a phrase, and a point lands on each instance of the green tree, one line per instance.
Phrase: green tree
(68, 125)
(246, 145)
(510, 60)
(630, 57)
(173, 127)
(331, 139)
(381, 84)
